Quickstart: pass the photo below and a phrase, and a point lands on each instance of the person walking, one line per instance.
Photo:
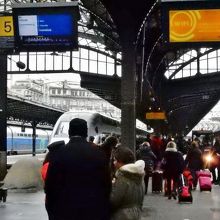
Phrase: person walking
(78, 182)
(146, 154)
(128, 188)
(108, 147)
(216, 161)
(157, 147)
(194, 161)
(172, 165)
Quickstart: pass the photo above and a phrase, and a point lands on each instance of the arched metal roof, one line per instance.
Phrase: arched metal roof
(103, 21)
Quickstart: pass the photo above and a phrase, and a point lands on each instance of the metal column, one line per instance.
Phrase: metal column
(128, 94)
(3, 115)
(34, 124)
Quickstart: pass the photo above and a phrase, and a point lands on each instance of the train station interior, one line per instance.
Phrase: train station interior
(135, 55)
(179, 81)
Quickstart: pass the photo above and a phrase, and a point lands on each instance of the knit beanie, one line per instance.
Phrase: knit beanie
(171, 144)
(78, 127)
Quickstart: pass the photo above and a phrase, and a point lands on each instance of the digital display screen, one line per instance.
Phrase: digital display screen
(191, 23)
(45, 25)
(43, 30)
(46, 28)
(194, 25)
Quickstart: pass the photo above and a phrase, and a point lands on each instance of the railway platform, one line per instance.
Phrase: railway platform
(29, 205)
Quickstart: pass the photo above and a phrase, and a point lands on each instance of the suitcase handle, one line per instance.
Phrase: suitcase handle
(182, 178)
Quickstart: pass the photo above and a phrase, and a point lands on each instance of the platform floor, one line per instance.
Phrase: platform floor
(206, 206)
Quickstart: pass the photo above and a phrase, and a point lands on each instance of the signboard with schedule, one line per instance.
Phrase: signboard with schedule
(46, 26)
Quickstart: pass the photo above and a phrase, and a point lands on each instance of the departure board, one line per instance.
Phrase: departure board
(46, 27)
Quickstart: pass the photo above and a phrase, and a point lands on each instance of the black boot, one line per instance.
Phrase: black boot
(174, 195)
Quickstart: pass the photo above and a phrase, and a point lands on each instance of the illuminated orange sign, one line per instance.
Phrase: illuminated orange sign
(194, 25)
(155, 115)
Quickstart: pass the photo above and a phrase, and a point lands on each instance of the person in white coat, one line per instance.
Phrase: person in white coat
(128, 187)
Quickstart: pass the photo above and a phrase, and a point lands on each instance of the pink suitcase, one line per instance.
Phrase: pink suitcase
(205, 183)
(204, 173)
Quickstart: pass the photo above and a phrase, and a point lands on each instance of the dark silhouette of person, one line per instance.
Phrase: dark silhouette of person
(216, 161)
(91, 138)
(194, 161)
(53, 149)
(172, 165)
(146, 154)
(156, 146)
(78, 182)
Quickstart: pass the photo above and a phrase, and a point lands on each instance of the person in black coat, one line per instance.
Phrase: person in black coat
(194, 161)
(108, 147)
(53, 149)
(146, 154)
(172, 165)
(216, 151)
(78, 182)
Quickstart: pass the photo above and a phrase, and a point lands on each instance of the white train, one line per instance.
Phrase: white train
(98, 126)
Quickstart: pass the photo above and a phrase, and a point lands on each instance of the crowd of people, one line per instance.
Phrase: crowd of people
(92, 182)
(87, 181)
(175, 155)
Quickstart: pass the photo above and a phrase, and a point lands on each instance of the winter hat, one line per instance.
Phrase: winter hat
(146, 144)
(111, 140)
(124, 155)
(78, 127)
(171, 144)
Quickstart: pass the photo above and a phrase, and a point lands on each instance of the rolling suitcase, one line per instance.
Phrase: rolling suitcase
(188, 178)
(157, 181)
(185, 194)
(205, 183)
(205, 173)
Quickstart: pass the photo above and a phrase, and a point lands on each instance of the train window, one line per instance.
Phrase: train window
(21, 134)
(63, 129)
(53, 91)
(25, 135)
